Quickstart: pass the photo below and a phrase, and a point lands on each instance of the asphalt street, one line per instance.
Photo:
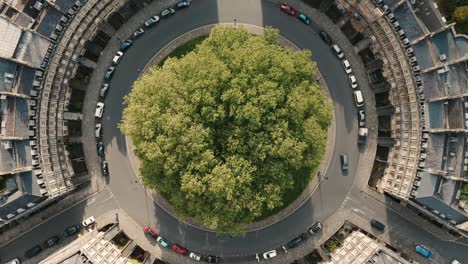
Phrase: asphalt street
(335, 192)
(326, 199)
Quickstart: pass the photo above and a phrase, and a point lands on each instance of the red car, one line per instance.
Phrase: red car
(288, 9)
(179, 249)
(150, 232)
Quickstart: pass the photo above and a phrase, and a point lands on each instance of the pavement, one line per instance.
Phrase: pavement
(338, 198)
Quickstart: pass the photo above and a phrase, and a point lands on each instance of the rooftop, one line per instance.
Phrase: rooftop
(11, 34)
(428, 15)
(408, 22)
(49, 21)
(32, 48)
(16, 158)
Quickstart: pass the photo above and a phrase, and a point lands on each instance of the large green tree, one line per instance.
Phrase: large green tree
(224, 131)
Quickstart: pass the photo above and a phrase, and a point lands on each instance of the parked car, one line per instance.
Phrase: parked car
(163, 241)
(150, 232)
(33, 252)
(336, 49)
(117, 57)
(103, 91)
(362, 118)
(423, 251)
(347, 66)
(100, 148)
(212, 259)
(183, 4)
(152, 21)
(126, 44)
(344, 161)
(138, 33)
(377, 225)
(353, 81)
(104, 168)
(270, 254)
(179, 249)
(358, 99)
(297, 241)
(89, 221)
(288, 9)
(13, 261)
(305, 19)
(315, 228)
(109, 73)
(325, 37)
(99, 109)
(98, 130)
(195, 256)
(454, 261)
(70, 231)
(51, 241)
(167, 12)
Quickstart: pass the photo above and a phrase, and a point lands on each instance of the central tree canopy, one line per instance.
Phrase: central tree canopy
(224, 131)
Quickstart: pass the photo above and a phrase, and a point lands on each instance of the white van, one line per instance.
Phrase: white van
(337, 51)
(358, 98)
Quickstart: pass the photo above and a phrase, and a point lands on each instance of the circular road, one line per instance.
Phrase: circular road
(331, 191)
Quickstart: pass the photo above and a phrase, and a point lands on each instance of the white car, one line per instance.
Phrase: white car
(99, 109)
(352, 81)
(347, 66)
(104, 89)
(13, 261)
(336, 49)
(195, 256)
(88, 222)
(153, 20)
(358, 99)
(270, 254)
(117, 57)
(98, 130)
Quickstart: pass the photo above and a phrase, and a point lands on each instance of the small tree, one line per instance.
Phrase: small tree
(224, 131)
(460, 14)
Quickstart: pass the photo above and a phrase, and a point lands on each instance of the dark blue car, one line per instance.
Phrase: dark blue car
(125, 45)
(183, 4)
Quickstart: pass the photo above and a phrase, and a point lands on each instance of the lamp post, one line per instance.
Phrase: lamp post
(235, 23)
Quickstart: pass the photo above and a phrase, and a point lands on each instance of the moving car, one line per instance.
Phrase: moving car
(336, 49)
(103, 91)
(352, 81)
(344, 161)
(51, 241)
(33, 252)
(98, 130)
(212, 259)
(347, 66)
(150, 232)
(167, 12)
(179, 249)
(315, 228)
(13, 261)
(195, 256)
(297, 241)
(377, 225)
(126, 44)
(423, 251)
(305, 19)
(70, 231)
(325, 37)
(270, 254)
(109, 73)
(183, 4)
(151, 21)
(117, 57)
(288, 9)
(163, 241)
(358, 99)
(89, 221)
(105, 168)
(362, 118)
(138, 33)
(100, 148)
(99, 109)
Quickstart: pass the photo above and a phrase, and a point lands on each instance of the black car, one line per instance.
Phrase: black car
(105, 169)
(100, 148)
(33, 252)
(70, 231)
(212, 259)
(125, 45)
(51, 241)
(109, 73)
(325, 37)
(297, 241)
(377, 225)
